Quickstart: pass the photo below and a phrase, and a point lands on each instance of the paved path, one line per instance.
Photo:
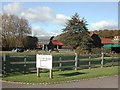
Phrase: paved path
(104, 82)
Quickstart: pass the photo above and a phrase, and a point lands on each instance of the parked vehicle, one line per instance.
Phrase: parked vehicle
(17, 50)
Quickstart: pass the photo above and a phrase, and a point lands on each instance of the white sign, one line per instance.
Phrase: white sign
(44, 61)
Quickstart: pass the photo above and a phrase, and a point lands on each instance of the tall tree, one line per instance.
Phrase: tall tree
(30, 42)
(76, 33)
(14, 30)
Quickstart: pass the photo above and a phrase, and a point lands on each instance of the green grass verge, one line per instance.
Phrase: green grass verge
(60, 76)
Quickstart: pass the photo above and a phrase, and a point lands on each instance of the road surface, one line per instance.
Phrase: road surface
(104, 82)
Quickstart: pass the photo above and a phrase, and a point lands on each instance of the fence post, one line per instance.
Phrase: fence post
(76, 61)
(4, 64)
(112, 59)
(24, 64)
(60, 63)
(102, 61)
(90, 62)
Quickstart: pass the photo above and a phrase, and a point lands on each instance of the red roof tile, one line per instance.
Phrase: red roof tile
(57, 42)
(106, 41)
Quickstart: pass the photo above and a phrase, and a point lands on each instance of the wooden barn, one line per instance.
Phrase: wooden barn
(43, 43)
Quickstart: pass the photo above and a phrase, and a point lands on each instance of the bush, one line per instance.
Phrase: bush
(96, 51)
(79, 50)
(107, 50)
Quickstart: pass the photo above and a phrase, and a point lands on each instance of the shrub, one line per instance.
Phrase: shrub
(107, 50)
(96, 50)
(80, 50)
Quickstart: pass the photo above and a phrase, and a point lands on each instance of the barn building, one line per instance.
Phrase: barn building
(43, 43)
(114, 43)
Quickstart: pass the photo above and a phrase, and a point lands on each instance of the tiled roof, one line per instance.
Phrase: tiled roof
(106, 41)
(57, 42)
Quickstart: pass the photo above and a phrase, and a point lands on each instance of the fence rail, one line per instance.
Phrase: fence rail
(27, 63)
(23, 62)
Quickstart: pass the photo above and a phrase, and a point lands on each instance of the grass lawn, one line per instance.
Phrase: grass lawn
(60, 76)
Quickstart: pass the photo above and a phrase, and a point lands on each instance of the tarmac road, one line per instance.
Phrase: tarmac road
(103, 82)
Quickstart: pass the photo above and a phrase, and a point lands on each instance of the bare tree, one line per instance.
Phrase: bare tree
(14, 30)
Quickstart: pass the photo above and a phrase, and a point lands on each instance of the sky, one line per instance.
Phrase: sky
(49, 18)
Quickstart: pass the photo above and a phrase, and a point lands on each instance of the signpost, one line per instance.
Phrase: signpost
(44, 61)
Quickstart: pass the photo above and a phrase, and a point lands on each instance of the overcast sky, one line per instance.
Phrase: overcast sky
(49, 18)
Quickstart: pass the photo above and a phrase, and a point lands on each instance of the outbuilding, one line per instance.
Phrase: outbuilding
(43, 43)
(108, 43)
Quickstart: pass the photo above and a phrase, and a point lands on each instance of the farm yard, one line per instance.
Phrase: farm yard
(42, 43)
